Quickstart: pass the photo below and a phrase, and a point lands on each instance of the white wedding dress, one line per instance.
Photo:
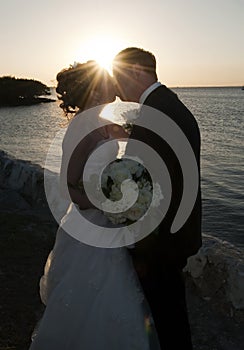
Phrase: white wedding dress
(93, 298)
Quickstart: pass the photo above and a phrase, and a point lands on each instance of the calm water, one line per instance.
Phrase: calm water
(27, 132)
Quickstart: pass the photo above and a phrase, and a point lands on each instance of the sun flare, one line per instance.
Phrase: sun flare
(101, 49)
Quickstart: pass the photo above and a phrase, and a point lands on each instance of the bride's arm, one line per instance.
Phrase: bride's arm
(75, 170)
(116, 131)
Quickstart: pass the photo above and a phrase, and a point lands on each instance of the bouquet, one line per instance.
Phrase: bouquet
(140, 189)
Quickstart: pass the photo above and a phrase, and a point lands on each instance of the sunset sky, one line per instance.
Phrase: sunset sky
(196, 42)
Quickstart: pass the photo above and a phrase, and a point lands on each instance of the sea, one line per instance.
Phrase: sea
(27, 133)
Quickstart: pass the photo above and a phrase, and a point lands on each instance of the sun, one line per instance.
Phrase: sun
(101, 49)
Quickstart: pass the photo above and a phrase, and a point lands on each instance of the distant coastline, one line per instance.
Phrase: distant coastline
(22, 92)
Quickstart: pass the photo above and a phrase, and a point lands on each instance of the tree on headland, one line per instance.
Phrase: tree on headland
(18, 92)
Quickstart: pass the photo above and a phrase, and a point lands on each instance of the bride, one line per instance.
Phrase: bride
(92, 295)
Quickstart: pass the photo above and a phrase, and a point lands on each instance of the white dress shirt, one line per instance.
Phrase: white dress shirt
(147, 92)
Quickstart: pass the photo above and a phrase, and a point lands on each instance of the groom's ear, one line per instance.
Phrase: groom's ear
(137, 70)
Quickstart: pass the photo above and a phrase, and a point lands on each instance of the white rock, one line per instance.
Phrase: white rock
(218, 265)
(196, 264)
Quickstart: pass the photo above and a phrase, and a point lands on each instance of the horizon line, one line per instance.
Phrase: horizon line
(169, 86)
(207, 86)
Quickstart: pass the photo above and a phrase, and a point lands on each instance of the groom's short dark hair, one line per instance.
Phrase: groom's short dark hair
(134, 55)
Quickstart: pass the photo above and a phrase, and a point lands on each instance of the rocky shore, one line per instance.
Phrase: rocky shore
(28, 101)
(214, 277)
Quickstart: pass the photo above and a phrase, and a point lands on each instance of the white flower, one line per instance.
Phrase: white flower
(145, 197)
(124, 194)
(117, 218)
(119, 173)
(127, 127)
(115, 194)
(131, 115)
(139, 171)
(143, 183)
(157, 195)
(132, 166)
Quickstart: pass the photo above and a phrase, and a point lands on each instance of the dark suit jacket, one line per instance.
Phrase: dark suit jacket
(166, 248)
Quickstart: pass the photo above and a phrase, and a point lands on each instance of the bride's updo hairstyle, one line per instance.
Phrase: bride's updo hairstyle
(77, 82)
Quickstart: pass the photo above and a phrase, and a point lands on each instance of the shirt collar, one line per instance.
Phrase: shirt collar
(147, 92)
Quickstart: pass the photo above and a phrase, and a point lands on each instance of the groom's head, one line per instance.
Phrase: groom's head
(134, 70)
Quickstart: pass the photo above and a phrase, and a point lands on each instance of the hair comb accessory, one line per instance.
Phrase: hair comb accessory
(74, 65)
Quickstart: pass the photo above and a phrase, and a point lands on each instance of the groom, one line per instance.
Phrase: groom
(159, 259)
